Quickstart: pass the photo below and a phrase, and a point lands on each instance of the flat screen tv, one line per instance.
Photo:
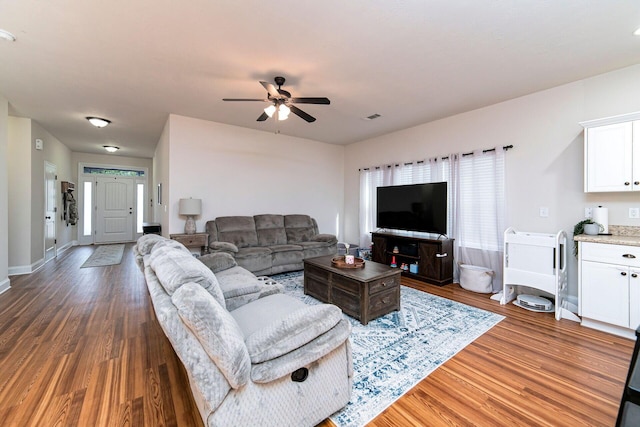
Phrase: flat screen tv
(415, 207)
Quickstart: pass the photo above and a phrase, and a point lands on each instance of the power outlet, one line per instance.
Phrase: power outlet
(588, 212)
(634, 213)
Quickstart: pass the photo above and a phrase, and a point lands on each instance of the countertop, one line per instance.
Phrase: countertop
(621, 235)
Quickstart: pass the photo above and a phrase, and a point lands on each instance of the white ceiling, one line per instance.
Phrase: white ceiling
(412, 61)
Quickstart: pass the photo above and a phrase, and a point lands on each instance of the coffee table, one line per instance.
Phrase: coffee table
(363, 293)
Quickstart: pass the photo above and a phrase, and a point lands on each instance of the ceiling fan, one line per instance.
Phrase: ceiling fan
(282, 102)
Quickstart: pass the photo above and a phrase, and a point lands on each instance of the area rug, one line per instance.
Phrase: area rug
(396, 351)
(105, 255)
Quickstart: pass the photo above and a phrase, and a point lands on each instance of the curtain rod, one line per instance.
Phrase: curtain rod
(505, 148)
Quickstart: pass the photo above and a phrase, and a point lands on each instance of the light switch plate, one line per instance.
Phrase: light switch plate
(544, 212)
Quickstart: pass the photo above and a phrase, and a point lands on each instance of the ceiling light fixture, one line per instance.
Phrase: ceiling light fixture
(111, 148)
(637, 32)
(283, 110)
(6, 35)
(98, 122)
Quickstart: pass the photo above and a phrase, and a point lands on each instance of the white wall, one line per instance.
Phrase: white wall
(20, 177)
(57, 153)
(545, 168)
(4, 194)
(161, 176)
(237, 171)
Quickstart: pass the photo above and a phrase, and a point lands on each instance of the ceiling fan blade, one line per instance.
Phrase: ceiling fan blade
(262, 117)
(298, 112)
(324, 101)
(271, 89)
(242, 99)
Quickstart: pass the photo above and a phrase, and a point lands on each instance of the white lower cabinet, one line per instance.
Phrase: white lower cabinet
(610, 287)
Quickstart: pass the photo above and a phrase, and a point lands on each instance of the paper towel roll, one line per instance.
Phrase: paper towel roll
(601, 216)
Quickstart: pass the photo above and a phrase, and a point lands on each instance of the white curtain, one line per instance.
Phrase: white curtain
(476, 203)
(478, 211)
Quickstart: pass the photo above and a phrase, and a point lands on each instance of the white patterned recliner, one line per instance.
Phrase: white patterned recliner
(270, 361)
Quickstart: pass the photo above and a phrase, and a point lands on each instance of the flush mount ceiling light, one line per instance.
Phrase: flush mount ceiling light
(111, 148)
(6, 35)
(98, 122)
(637, 32)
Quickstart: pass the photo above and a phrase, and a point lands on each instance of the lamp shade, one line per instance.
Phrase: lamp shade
(190, 207)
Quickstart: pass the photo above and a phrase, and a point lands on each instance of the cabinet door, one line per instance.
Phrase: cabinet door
(430, 260)
(605, 293)
(608, 158)
(379, 253)
(634, 298)
(636, 155)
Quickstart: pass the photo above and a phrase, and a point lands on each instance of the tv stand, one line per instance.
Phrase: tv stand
(434, 256)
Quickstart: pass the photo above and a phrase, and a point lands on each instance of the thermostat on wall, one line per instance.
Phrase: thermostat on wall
(39, 144)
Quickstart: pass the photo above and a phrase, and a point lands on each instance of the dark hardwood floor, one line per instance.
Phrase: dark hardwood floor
(82, 347)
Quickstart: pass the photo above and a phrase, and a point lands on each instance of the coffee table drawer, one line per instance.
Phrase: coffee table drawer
(382, 285)
(383, 302)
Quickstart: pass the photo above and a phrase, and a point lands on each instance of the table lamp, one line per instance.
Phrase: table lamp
(190, 208)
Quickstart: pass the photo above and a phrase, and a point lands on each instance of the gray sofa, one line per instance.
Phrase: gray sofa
(269, 244)
(253, 355)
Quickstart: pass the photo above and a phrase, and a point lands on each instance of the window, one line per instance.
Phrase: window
(475, 211)
(140, 207)
(87, 211)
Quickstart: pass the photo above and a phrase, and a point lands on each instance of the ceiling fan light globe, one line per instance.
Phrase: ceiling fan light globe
(270, 110)
(283, 112)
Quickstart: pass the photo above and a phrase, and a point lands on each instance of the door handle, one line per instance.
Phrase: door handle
(444, 255)
(628, 256)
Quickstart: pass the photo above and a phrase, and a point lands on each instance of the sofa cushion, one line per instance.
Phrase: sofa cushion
(174, 268)
(223, 247)
(286, 254)
(254, 259)
(324, 344)
(299, 228)
(270, 229)
(238, 281)
(218, 261)
(216, 330)
(239, 230)
(278, 324)
(146, 242)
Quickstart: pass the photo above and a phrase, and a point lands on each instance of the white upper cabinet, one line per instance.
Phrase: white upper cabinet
(612, 154)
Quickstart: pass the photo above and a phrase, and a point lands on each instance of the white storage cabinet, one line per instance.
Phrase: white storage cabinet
(609, 277)
(538, 261)
(612, 154)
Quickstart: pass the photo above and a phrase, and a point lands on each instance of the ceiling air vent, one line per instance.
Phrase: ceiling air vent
(372, 117)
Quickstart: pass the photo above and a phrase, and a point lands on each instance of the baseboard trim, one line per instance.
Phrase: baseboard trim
(28, 269)
(5, 285)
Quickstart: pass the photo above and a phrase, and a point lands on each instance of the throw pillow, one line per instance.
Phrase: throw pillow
(216, 330)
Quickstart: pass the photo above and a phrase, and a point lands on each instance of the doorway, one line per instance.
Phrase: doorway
(112, 203)
(50, 209)
(114, 209)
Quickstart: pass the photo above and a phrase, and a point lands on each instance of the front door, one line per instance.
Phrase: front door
(114, 209)
(50, 209)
